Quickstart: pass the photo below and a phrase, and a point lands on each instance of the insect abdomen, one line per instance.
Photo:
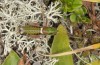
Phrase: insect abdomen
(38, 30)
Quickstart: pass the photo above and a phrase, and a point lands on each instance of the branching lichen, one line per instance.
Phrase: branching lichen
(17, 13)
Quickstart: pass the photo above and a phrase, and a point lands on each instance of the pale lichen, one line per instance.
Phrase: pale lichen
(17, 13)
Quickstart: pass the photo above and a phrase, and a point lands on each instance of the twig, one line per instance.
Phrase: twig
(92, 0)
(80, 58)
(95, 46)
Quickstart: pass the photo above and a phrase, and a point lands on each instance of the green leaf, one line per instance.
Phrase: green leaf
(84, 9)
(73, 18)
(97, 62)
(71, 5)
(64, 8)
(61, 44)
(81, 11)
(11, 59)
(85, 19)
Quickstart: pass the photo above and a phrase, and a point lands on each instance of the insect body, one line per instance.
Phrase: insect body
(31, 30)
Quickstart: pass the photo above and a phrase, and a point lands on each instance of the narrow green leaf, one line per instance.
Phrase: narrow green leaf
(11, 59)
(61, 44)
(97, 62)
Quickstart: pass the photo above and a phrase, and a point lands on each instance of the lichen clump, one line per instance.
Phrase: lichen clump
(17, 13)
